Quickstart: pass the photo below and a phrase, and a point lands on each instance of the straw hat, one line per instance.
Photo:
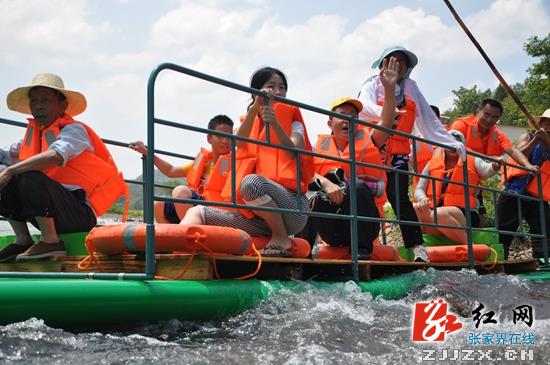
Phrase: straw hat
(545, 115)
(18, 99)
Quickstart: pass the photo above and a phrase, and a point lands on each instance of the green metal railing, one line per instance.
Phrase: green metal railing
(353, 217)
(149, 194)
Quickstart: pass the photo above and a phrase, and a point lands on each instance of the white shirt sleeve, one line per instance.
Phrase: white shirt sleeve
(9, 155)
(298, 127)
(420, 190)
(369, 95)
(484, 169)
(426, 121)
(72, 141)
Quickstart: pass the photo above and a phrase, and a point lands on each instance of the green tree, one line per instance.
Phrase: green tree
(466, 101)
(537, 84)
(500, 93)
(512, 114)
(534, 92)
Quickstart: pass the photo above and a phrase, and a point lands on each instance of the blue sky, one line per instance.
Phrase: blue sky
(106, 49)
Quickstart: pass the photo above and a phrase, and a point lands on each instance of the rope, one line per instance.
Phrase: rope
(198, 239)
(494, 263)
(91, 258)
(503, 82)
(200, 246)
(257, 252)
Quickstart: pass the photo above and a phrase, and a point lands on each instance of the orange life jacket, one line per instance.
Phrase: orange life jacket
(399, 145)
(424, 154)
(454, 194)
(474, 141)
(272, 163)
(533, 186)
(95, 172)
(211, 188)
(365, 151)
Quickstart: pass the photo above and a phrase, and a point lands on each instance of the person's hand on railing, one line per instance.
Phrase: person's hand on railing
(424, 205)
(534, 169)
(265, 108)
(138, 146)
(268, 115)
(497, 164)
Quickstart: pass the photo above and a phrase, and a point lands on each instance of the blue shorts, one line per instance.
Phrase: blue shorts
(170, 209)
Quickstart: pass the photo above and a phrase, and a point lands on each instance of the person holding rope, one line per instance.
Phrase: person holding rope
(482, 136)
(536, 147)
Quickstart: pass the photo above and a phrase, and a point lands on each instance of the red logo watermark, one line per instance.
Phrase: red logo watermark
(431, 322)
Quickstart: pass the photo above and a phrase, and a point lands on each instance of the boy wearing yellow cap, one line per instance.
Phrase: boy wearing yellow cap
(332, 177)
(413, 111)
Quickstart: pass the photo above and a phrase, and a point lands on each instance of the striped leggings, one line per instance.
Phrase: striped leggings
(258, 190)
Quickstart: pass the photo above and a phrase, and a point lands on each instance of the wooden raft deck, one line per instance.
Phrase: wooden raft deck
(171, 267)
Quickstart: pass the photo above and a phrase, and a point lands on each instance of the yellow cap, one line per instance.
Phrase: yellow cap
(346, 99)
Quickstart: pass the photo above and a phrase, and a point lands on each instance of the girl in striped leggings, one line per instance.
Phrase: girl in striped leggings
(272, 182)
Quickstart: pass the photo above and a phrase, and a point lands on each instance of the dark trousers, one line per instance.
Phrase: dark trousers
(508, 220)
(412, 235)
(33, 194)
(337, 232)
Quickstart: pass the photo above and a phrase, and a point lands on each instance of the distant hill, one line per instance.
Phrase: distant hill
(136, 190)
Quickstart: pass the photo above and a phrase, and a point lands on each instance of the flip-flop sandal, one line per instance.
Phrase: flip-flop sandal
(276, 251)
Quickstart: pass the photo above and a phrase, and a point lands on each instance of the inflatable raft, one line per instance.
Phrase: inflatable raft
(62, 301)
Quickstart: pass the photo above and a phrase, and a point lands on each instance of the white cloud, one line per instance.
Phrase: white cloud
(321, 54)
(54, 32)
(446, 103)
(198, 25)
(124, 61)
(506, 25)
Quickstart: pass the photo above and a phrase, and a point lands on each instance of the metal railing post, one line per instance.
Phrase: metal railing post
(467, 210)
(352, 191)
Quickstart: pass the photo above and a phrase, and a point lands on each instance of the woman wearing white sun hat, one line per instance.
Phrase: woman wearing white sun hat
(413, 113)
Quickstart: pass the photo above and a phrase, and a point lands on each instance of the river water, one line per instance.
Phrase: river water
(334, 325)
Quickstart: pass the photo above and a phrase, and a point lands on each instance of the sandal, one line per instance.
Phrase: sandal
(275, 251)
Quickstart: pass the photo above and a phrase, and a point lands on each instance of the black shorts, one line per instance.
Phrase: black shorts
(170, 212)
(474, 216)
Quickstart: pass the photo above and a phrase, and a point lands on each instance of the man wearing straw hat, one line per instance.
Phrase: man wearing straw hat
(59, 176)
(536, 148)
